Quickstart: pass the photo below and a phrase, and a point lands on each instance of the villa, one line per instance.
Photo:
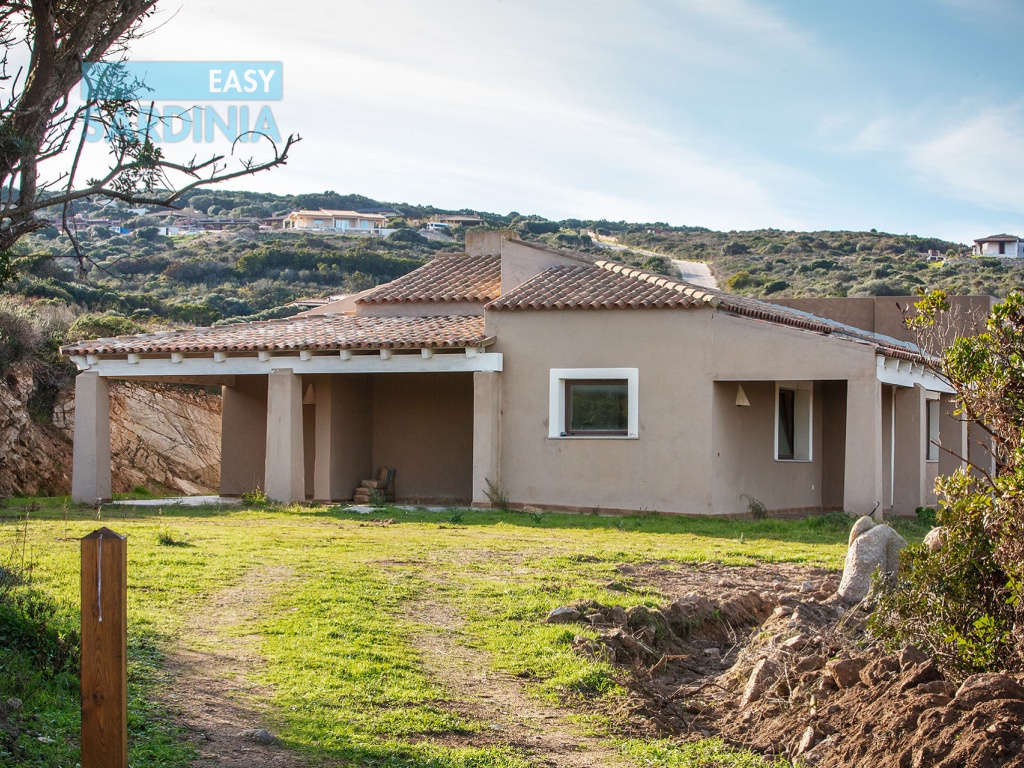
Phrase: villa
(564, 381)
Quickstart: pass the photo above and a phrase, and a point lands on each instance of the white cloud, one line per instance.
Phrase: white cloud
(502, 105)
(980, 159)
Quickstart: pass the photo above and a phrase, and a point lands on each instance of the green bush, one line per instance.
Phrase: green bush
(963, 603)
(91, 326)
(18, 336)
(739, 281)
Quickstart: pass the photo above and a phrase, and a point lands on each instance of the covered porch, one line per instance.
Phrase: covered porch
(855, 444)
(312, 424)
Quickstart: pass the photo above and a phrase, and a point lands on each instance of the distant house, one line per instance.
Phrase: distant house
(999, 245)
(459, 220)
(351, 222)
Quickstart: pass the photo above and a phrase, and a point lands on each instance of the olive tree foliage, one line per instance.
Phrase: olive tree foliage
(963, 601)
(41, 121)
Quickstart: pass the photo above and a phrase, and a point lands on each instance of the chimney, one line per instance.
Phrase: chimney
(485, 242)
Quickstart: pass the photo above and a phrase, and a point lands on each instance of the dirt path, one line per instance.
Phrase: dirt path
(498, 701)
(695, 272)
(208, 687)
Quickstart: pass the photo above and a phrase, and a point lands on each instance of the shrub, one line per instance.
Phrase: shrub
(18, 336)
(739, 281)
(963, 602)
(100, 326)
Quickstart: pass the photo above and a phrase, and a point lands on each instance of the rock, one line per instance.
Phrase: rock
(617, 615)
(828, 587)
(935, 539)
(924, 673)
(845, 672)
(876, 548)
(13, 704)
(563, 615)
(782, 610)
(795, 643)
(911, 656)
(807, 586)
(807, 740)
(778, 586)
(596, 618)
(259, 736)
(764, 673)
(880, 671)
(943, 687)
(863, 524)
(809, 664)
(986, 687)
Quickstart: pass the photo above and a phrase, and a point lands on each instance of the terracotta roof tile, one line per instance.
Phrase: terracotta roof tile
(449, 277)
(316, 332)
(602, 286)
(610, 285)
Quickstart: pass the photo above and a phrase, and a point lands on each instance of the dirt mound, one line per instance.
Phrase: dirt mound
(792, 672)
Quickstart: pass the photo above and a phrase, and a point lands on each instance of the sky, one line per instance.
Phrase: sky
(906, 117)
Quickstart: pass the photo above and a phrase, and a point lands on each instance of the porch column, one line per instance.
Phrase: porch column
(344, 435)
(243, 436)
(90, 475)
(486, 434)
(909, 440)
(862, 484)
(285, 469)
(952, 436)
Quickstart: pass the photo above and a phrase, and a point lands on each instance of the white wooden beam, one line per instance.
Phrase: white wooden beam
(134, 358)
(426, 354)
(385, 354)
(219, 357)
(263, 356)
(909, 375)
(177, 357)
(328, 363)
(345, 354)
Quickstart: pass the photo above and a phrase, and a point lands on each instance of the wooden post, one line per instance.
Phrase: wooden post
(104, 650)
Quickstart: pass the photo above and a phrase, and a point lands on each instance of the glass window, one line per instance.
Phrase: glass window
(597, 406)
(932, 453)
(787, 424)
(793, 421)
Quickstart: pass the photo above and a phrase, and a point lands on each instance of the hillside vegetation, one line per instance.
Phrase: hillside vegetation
(774, 264)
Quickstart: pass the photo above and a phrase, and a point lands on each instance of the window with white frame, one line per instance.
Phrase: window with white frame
(593, 402)
(793, 420)
(932, 417)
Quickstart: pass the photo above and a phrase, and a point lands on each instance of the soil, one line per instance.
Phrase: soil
(480, 695)
(209, 690)
(764, 656)
(769, 659)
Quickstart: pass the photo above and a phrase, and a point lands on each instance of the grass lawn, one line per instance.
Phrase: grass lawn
(336, 632)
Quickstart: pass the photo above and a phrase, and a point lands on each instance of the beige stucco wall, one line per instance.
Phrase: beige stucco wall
(423, 428)
(243, 447)
(674, 465)
(744, 453)
(343, 440)
(522, 261)
(884, 314)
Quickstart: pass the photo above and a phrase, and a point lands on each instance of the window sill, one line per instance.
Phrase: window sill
(794, 461)
(593, 437)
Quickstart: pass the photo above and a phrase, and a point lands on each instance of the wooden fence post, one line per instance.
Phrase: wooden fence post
(104, 650)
